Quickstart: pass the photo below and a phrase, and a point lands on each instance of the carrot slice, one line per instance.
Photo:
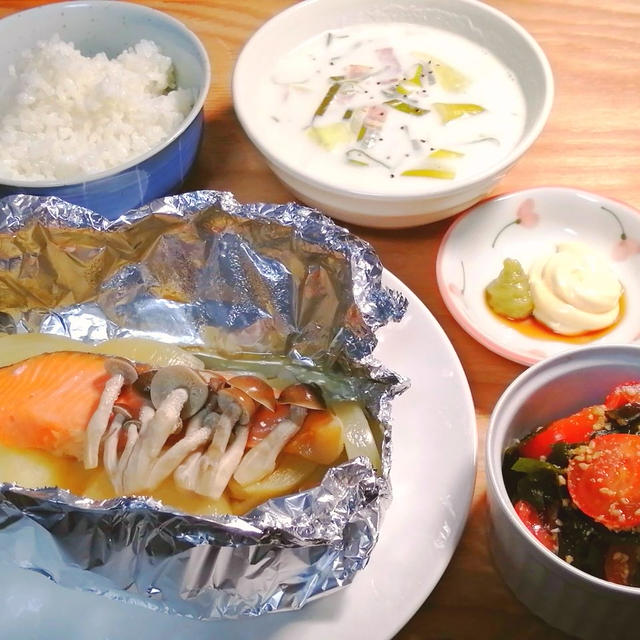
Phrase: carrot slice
(536, 525)
(623, 394)
(320, 439)
(264, 421)
(572, 429)
(604, 480)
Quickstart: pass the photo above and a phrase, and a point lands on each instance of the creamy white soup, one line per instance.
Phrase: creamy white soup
(391, 108)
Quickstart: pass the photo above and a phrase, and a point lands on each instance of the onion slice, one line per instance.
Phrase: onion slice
(358, 437)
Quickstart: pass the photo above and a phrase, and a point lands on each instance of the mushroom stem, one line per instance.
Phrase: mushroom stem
(152, 438)
(195, 422)
(227, 465)
(164, 422)
(186, 474)
(260, 461)
(100, 419)
(222, 425)
(110, 446)
(133, 430)
(168, 461)
(198, 469)
(145, 416)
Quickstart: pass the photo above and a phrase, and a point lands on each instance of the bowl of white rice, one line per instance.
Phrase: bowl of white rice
(101, 103)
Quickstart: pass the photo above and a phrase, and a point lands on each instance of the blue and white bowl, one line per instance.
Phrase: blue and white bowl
(94, 26)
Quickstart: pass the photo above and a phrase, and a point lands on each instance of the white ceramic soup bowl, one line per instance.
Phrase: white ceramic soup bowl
(562, 595)
(473, 20)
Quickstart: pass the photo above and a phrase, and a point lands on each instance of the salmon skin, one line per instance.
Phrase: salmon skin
(47, 401)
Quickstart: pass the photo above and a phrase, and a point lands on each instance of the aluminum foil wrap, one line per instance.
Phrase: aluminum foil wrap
(279, 283)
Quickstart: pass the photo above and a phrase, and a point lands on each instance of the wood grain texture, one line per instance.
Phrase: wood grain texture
(592, 141)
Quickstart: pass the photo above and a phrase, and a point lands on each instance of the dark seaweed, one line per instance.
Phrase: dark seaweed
(531, 480)
(625, 419)
(536, 482)
(583, 540)
(560, 453)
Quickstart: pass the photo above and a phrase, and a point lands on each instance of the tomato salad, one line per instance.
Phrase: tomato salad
(575, 484)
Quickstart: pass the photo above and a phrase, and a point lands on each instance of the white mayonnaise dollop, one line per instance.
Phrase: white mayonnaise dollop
(574, 290)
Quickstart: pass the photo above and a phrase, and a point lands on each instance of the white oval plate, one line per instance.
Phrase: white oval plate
(433, 474)
(523, 225)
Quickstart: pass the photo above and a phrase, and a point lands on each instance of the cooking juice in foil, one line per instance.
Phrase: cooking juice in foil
(274, 291)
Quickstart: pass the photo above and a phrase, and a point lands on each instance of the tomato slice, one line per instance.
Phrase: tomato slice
(536, 525)
(572, 429)
(623, 394)
(620, 563)
(604, 480)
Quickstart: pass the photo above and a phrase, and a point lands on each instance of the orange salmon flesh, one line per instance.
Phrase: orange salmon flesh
(47, 401)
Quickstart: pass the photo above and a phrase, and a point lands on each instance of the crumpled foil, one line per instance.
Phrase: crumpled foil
(279, 284)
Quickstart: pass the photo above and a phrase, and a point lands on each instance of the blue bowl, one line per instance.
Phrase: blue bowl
(95, 26)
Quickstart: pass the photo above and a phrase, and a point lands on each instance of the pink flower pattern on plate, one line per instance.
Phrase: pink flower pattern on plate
(525, 215)
(454, 289)
(625, 247)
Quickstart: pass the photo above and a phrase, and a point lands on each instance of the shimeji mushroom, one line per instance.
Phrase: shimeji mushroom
(256, 388)
(110, 444)
(175, 391)
(175, 377)
(302, 395)
(260, 461)
(115, 468)
(122, 372)
(209, 472)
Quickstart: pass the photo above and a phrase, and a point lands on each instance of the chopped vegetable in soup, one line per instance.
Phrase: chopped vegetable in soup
(391, 107)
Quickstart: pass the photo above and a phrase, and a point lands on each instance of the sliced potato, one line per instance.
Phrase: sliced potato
(290, 472)
(34, 469)
(99, 488)
(14, 348)
(97, 485)
(150, 352)
(172, 496)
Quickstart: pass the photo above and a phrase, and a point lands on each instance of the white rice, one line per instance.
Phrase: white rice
(70, 116)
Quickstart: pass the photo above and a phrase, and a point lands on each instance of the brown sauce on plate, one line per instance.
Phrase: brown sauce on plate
(532, 328)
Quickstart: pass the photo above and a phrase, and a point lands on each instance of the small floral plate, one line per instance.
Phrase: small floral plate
(524, 225)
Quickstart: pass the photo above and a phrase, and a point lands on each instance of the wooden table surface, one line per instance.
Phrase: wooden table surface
(591, 141)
